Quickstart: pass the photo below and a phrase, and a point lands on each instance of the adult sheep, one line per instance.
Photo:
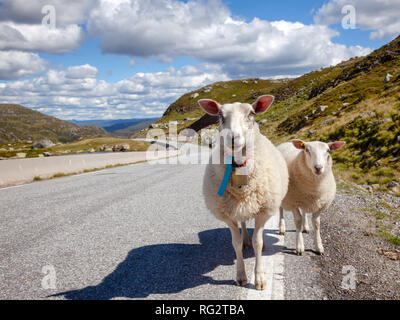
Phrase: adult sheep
(312, 186)
(267, 178)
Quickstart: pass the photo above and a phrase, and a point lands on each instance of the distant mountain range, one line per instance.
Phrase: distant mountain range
(119, 127)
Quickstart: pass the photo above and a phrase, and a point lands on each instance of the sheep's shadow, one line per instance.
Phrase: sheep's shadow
(166, 268)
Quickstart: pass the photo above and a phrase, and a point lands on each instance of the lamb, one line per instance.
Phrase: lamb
(312, 186)
(267, 178)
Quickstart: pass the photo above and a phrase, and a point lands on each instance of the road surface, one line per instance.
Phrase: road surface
(140, 231)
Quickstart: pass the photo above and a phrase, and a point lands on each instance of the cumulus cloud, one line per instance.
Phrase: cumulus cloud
(30, 12)
(26, 37)
(380, 16)
(15, 65)
(21, 26)
(81, 72)
(77, 93)
(207, 31)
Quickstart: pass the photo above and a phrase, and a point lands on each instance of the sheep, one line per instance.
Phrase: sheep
(267, 178)
(312, 186)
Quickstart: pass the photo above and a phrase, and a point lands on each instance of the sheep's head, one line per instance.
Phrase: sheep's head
(236, 120)
(317, 154)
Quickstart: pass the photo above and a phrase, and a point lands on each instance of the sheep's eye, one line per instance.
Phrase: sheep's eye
(308, 151)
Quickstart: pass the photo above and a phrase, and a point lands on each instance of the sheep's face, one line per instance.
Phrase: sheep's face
(236, 120)
(317, 154)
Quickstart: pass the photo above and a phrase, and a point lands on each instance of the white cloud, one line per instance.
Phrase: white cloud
(208, 32)
(21, 26)
(30, 12)
(81, 72)
(27, 37)
(15, 65)
(83, 96)
(379, 16)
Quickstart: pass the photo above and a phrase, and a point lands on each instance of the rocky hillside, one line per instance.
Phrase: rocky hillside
(357, 101)
(18, 123)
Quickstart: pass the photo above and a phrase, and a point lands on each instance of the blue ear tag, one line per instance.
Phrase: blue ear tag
(226, 177)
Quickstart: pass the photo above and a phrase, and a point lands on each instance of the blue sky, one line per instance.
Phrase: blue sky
(132, 58)
(114, 67)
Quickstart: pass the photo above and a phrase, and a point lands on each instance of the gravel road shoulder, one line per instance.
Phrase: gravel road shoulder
(362, 259)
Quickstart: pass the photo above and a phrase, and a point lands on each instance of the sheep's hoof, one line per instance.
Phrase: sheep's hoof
(299, 252)
(261, 286)
(320, 253)
(306, 231)
(241, 282)
(281, 233)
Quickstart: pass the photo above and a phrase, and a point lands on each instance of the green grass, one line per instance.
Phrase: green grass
(384, 221)
(82, 146)
(389, 237)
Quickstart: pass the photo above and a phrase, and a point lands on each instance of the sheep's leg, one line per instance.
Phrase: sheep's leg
(237, 243)
(306, 227)
(282, 226)
(319, 248)
(299, 236)
(258, 243)
(245, 236)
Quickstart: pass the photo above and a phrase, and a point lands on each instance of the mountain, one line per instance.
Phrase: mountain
(18, 123)
(116, 125)
(134, 128)
(357, 101)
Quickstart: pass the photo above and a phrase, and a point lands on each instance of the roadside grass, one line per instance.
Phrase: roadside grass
(86, 145)
(385, 221)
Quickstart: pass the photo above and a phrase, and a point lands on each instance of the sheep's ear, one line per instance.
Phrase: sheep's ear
(263, 103)
(209, 106)
(336, 145)
(299, 144)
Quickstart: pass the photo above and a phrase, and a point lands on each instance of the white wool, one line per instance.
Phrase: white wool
(306, 191)
(309, 191)
(267, 184)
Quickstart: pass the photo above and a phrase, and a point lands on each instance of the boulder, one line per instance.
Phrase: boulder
(125, 147)
(322, 108)
(45, 143)
(368, 114)
(21, 155)
(387, 78)
(194, 95)
(392, 184)
(328, 121)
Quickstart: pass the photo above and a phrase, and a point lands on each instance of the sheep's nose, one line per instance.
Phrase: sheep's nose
(318, 169)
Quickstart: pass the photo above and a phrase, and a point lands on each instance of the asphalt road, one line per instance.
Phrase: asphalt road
(140, 231)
